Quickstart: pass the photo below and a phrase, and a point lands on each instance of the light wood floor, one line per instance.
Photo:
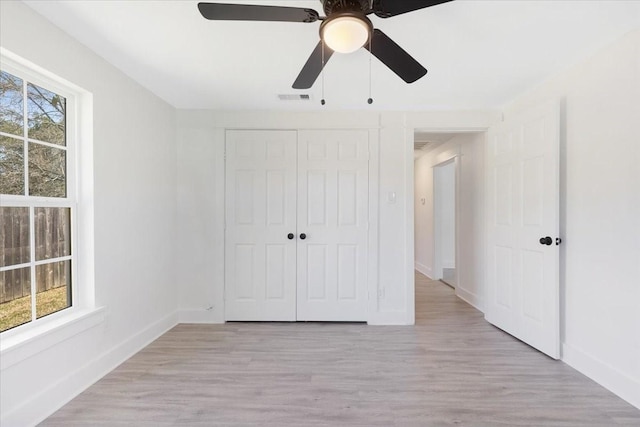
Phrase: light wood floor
(452, 368)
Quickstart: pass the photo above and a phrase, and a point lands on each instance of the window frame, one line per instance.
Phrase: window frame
(30, 74)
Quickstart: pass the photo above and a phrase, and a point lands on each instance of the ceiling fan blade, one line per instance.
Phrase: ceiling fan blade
(389, 8)
(246, 12)
(394, 57)
(312, 67)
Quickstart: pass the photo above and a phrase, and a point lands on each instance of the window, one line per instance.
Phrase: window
(38, 198)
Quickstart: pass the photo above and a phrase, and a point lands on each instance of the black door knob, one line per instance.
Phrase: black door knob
(290, 236)
(546, 241)
(303, 236)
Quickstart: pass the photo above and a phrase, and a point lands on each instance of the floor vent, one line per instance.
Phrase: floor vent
(294, 97)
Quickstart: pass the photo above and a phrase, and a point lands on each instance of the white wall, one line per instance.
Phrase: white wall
(445, 213)
(470, 151)
(135, 185)
(424, 233)
(600, 213)
(201, 201)
(200, 210)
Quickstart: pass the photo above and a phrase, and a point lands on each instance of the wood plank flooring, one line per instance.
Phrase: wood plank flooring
(451, 369)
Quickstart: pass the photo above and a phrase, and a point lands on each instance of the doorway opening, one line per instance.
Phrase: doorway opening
(449, 210)
(444, 222)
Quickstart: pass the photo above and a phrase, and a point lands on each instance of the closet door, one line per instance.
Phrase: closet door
(333, 217)
(260, 259)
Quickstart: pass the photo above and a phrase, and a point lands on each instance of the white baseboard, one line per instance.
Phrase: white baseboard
(607, 376)
(49, 400)
(200, 316)
(469, 298)
(423, 269)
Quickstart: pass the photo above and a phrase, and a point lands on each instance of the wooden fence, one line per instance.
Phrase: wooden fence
(52, 228)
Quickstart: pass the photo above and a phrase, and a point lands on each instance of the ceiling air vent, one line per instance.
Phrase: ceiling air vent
(419, 145)
(294, 97)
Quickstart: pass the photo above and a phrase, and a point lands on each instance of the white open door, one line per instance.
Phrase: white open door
(333, 214)
(260, 258)
(523, 217)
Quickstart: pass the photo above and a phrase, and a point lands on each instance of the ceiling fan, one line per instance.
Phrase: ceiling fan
(345, 29)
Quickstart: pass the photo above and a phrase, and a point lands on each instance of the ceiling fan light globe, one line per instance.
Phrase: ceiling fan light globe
(345, 34)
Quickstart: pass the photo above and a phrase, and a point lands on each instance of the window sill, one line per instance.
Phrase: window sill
(16, 348)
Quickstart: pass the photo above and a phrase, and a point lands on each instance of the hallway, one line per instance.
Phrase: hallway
(452, 368)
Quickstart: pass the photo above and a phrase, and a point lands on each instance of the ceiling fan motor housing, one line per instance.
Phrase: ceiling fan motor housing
(338, 6)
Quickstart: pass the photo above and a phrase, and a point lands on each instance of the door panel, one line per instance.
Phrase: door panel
(276, 191)
(316, 190)
(347, 272)
(244, 255)
(275, 272)
(316, 267)
(333, 213)
(522, 274)
(260, 261)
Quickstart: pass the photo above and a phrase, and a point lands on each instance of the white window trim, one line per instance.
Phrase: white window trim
(35, 336)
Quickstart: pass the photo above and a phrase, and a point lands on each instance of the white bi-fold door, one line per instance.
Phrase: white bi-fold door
(296, 225)
(523, 217)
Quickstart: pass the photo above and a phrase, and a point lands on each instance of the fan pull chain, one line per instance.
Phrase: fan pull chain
(370, 100)
(322, 101)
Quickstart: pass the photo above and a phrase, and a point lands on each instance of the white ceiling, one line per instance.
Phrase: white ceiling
(480, 54)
